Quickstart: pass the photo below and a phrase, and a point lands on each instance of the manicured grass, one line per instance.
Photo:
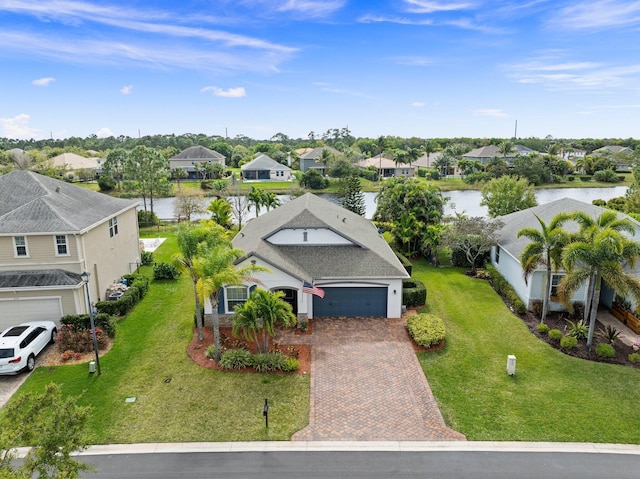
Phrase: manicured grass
(196, 404)
(552, 397)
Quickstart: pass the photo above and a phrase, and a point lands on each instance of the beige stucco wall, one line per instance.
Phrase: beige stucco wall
(41, 254)
(72, 300)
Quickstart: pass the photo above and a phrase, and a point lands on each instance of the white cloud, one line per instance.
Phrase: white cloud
(491, 112)
(17, 127)
(125, 90)
(414, 61)
(418, 104)
(599, 14)
(306, 8)
(422, 6)
(46, 81)
(237, 92)
(104, 133)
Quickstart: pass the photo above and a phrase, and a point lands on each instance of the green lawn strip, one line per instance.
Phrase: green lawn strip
(552, 397)
(196, 404)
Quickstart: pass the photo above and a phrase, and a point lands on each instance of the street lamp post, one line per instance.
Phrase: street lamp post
(85, 278)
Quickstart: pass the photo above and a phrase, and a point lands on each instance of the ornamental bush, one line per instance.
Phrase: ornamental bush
(605, 350)
(165, 271)
(634, 358)
(266, 362)
(555, 334)
(568, 342)
(414, 293)
(138, 287)
(235, 359)
(542, 328)
(426, 329)
(82, 321)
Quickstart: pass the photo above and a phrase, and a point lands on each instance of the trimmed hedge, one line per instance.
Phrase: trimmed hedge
(138, 287)
(504, 289)
(426, 329)
(82, 321)
(414, 293)
(405, 262)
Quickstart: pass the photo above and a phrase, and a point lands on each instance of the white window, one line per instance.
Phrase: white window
(555, 281)
(236, 295)
(113, 227)
(20, 243)
(62, 248)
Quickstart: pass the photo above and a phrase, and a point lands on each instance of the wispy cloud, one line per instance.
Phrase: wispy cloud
(418, 104)
(125, 90)
(152, 40)
(341, 91)
(414, 61)
(18, 127)
(599, 14)
(422, 6)
(104, 133)
(237, 92)
(592, 76)
(375, 18)
(46, 81)
(301, 8)
(492, 112)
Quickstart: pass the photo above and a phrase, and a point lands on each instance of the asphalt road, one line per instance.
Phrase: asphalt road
(366, 465)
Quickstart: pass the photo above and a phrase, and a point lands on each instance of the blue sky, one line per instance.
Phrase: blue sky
(569, 69)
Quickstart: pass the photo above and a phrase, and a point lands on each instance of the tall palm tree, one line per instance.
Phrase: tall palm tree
(430, 147)
(215, 267)
(220, 212)
(256, 198)
(189, 240)
(601, 254)
(245, 321)
(271, 310)
(506, 147)
(545, 249)
(270, 200)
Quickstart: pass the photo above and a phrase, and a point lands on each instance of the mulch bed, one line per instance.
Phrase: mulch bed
(197, 350)
(559, 321)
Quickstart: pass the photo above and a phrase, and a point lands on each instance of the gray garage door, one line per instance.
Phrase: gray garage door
(351, 302)
(17, 311)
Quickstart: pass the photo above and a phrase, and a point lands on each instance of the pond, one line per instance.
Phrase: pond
(459, 201)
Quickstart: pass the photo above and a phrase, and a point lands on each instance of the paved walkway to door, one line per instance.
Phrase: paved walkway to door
(367, 384)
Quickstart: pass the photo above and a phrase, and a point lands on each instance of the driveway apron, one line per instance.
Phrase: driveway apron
(367, 384)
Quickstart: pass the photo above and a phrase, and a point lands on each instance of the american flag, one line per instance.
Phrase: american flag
(311, 289)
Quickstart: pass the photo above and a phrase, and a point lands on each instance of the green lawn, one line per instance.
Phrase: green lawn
(197, 404)
(552, 397)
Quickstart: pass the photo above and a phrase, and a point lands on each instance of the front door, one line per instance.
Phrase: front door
(291, 297)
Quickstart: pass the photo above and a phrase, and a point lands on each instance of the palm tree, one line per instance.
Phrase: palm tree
(215, 267)
(245, 321)
(256, 198)
(271, 309)
(430, 147)
(545, 249)
(189, 240)
(506, 147)
(270, 200)
(325, 157)
(220, 212)
(601, 254)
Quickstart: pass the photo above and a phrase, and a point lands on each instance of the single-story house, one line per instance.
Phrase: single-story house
(72, 162)
(50, 233)
(264, 168)
(505, 256)
(620, 153)
(387, 167)
(193, 161)
(311, 242)
(487, 153)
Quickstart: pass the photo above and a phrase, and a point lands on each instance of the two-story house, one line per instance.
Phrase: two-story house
(50, 233)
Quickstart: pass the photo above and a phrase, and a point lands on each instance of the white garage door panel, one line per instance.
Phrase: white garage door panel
(37, 309)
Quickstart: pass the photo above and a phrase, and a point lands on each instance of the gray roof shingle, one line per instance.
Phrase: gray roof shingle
(199, 153)
(368, 257)
(33, 203)
(264, 162)
(44, 277)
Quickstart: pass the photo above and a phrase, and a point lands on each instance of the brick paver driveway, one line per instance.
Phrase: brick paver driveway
(367, 384)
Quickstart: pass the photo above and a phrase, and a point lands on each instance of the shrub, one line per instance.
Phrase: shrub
(606, 176)
(568, 342)
(138, 287)
(147, 257)
(478, 177)
(571, 178)
(634, 358)
(585, 178)
(235, 359)
(82, 321)
(405, 262)
(426, 329)
(106, 182)
(536, 307)
(146, 218)
(578, 330)
(414, 293)
(542, 328)
(605, 350)
(266, 362)
(504, 289)
(555, 334)
(291, 364)
(79, 340)
(165, 271)
(609, 333)
(313, 179)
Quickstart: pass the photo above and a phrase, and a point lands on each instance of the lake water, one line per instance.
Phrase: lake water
(459, 201)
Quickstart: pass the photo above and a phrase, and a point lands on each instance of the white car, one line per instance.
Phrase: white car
(19, 345)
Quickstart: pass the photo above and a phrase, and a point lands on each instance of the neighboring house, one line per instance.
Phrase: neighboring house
(427, 161)
(387, 167)
(311, 159)
(619, 153)
(264, 168)
(73, 162)
(487, 153)
(312, 240)
(193, 161)
(505, 257)
(52, 231)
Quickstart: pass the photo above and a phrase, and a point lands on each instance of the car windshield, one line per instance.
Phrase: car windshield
(17, 331)
(6, 353)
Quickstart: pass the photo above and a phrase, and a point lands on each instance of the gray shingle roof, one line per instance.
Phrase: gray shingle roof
(264, 162)
(32, 203)
(198, 153)
(369, 257)
(514, 222)
(45, 277)
(317, 152)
